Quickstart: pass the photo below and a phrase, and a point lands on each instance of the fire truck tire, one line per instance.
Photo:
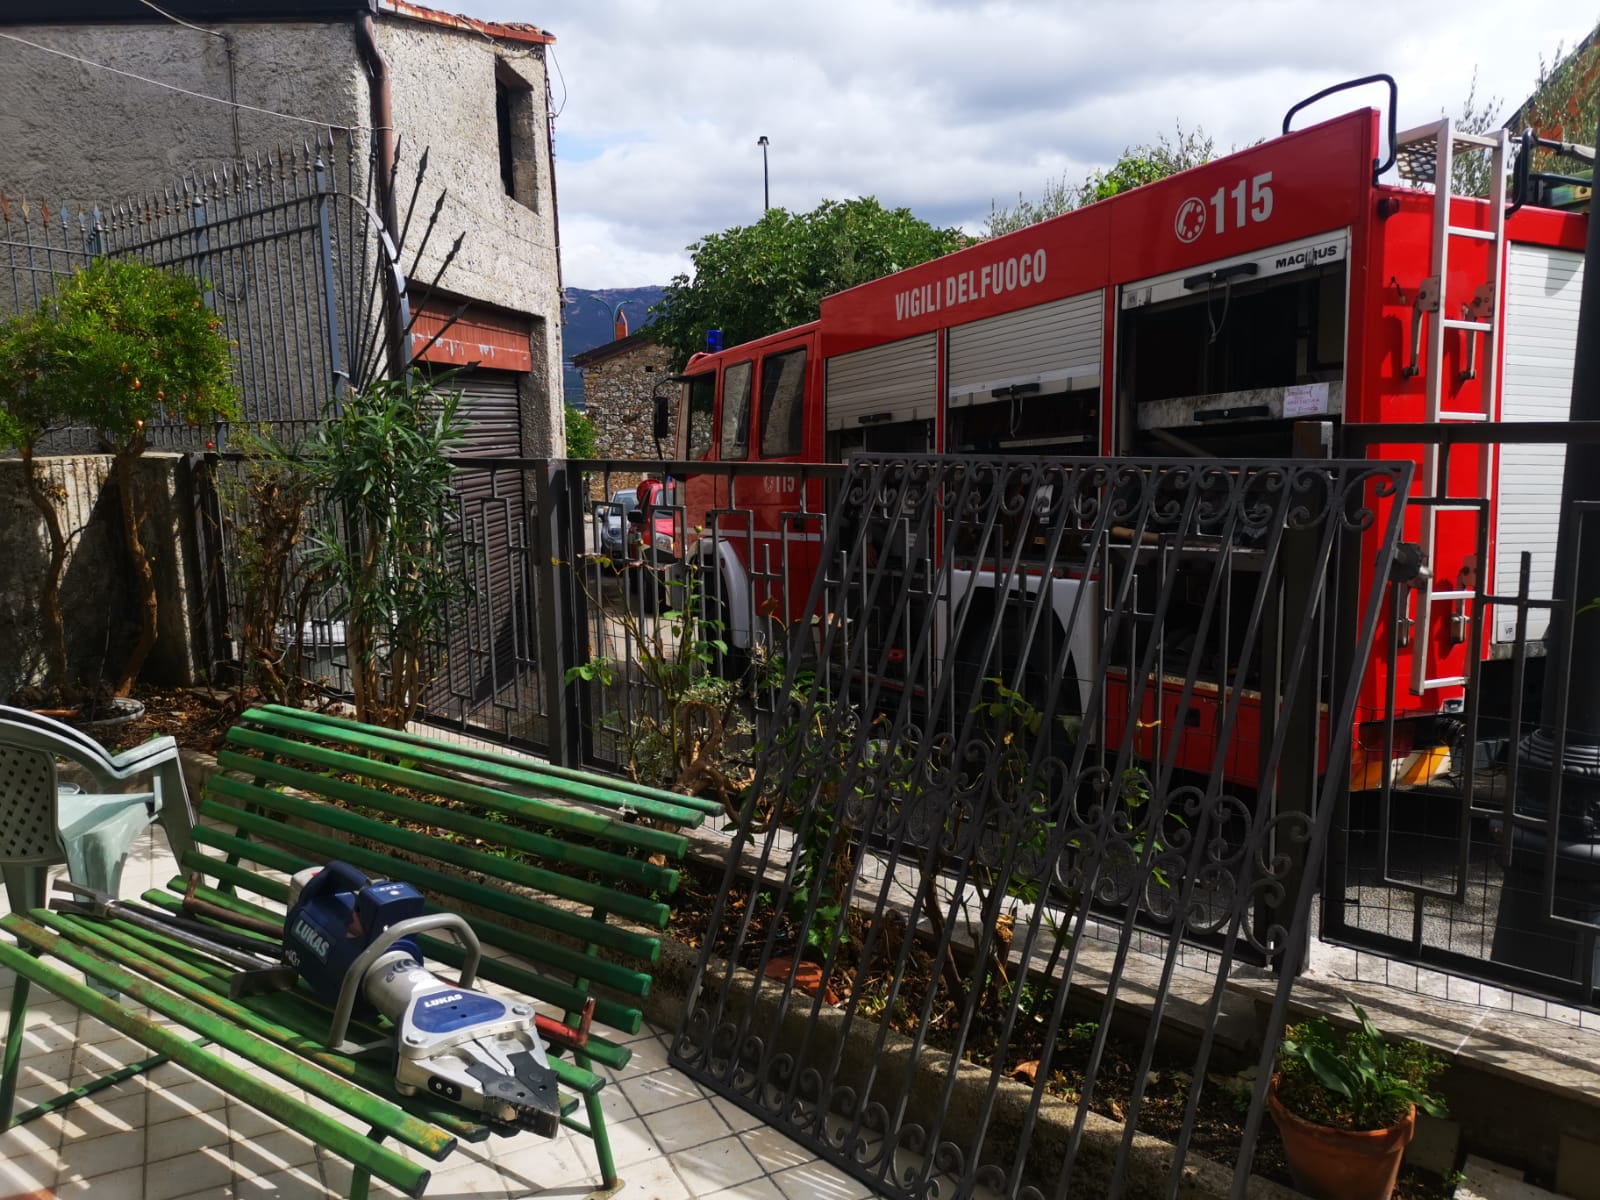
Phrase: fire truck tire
(734, 662)
(1035, 674)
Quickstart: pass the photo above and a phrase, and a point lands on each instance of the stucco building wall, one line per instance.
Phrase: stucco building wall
(444, 99)
(76, 135)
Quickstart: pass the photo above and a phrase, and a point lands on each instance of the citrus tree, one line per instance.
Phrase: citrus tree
(129, 345)
(31, 404)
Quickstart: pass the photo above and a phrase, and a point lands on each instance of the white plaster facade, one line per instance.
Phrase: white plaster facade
(80, 135)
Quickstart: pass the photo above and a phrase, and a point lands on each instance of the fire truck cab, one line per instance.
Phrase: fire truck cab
(1210, 314)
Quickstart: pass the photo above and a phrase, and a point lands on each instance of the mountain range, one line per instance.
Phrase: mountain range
(586, 322)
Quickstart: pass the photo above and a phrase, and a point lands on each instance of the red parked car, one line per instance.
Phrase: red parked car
(654, 539)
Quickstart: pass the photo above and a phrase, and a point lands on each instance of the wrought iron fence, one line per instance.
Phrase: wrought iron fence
(984, 739)
(1417, 873)
(687, 600)
(292, 258)
(1447, 862)
(566, 637)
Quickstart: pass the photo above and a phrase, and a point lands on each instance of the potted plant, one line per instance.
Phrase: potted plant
(1346, 1105)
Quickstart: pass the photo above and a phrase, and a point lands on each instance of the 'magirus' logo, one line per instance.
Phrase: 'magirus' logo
(314, 941)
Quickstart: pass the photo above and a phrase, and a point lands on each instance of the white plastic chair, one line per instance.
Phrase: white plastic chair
(43, 822)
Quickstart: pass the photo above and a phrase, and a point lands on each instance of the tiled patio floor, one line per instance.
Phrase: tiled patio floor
(167, 1136)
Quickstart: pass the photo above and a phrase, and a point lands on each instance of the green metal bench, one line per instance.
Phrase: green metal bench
(551, 867)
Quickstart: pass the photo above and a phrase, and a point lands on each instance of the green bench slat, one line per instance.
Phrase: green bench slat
(384, 1164)
(639, 908)
(596, 825)
(301, 1032)
(575, 925)
(201, 864)
(593, 858)
(310, 787)
(250, 851)
(280, 716)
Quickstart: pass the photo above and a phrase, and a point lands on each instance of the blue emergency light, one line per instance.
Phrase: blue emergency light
(713, 340)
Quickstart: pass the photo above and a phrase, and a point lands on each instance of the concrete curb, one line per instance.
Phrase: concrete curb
(1149, 1159)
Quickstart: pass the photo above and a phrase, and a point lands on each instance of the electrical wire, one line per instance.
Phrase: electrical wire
(180, 20)
(231, 47)
(1218, 322)
(172, 87)
(550, 53)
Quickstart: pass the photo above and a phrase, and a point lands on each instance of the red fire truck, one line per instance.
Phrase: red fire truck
(1204, 314)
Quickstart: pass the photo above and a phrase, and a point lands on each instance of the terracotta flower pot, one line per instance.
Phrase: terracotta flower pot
(1341, 1164)
(808, 978)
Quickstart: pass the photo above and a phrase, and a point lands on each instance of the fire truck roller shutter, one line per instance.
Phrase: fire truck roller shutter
(1055, 345)
(1542, 286)
(884, 385)
(1275, 350)
(483, 648)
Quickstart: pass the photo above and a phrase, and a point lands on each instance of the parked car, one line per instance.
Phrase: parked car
(614, 524)
(654, 545)
(657, 545)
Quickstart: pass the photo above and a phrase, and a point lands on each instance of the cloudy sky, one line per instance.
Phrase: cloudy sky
(945, 106)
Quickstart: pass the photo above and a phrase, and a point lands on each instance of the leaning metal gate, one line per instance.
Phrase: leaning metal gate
(997, 803)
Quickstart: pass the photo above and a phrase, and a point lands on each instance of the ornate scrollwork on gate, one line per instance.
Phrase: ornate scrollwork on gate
(1031, 752)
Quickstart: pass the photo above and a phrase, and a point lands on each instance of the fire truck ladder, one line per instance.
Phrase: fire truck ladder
(1427, 156)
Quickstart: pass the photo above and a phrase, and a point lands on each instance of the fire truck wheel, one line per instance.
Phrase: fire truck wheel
(734, 663)
(1033, 689)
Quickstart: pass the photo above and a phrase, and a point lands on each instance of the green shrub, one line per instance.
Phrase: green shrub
(581, 441)
(382, 465)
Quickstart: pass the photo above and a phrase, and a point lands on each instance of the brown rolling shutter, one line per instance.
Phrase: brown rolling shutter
(489, 644)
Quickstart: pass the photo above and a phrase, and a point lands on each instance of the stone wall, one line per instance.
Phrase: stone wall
(97, 594)
(617, 395)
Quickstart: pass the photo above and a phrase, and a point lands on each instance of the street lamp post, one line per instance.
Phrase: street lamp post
(619, 322)
(766, 191)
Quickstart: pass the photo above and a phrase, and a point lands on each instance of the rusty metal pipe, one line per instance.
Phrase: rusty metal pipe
(382, 106)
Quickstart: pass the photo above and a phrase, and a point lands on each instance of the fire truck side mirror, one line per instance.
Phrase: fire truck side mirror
(661, 424)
